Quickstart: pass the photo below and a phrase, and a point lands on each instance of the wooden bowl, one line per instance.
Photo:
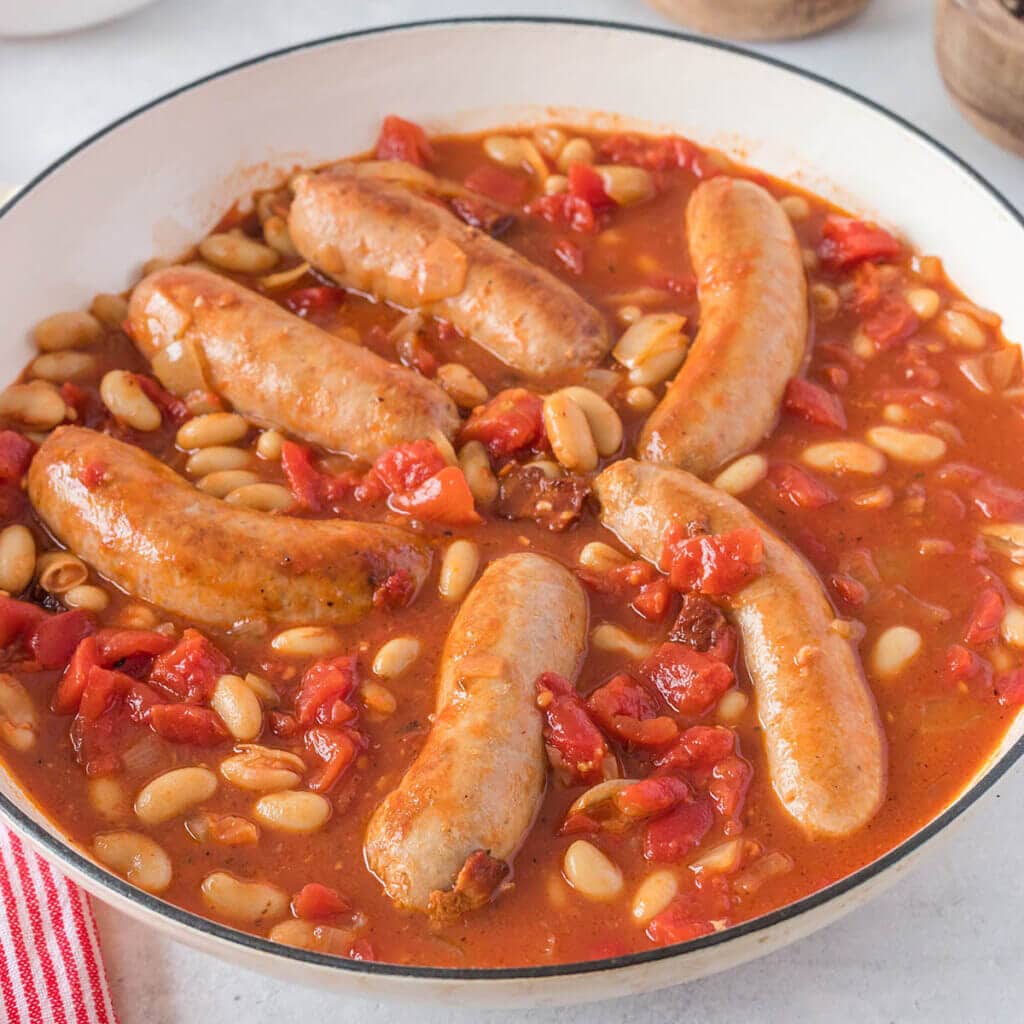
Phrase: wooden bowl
(980, 49)
(760, 19)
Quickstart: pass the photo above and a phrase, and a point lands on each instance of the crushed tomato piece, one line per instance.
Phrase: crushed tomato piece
(575, 746)
(690, 681)
(189, 671)
(325, 690)
(626, 710)
(847, 242)
(986, 617)
(403, 140)
(672, 836)
(511, 422)
(798, 487)
(316, 902)
(712, 563)
(813, 403)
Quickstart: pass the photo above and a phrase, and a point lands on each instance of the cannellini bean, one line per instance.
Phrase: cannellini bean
(458, 569)
(1015, 579)
(396, 656)
(214, 428)
(515, 152)
(723, 859)
(238, 707)
(654, 894)
(109, 799)
(17, 558)
(549, 140)
(839, 457)
(292, 811)
(306, 642)
(609, 637)
(652, 348)
(173, 793)
(825, 301)
(877, 497)
(86, 597)
(263, 497)
(894, 650)
(569, 433)
(238, 253)
(961, 330)
(795, 207)
(265, 692)
(142, 861)
(37, 405)
(575, 151)
(242, 902)
(590, 872)
(603, 420)
(1012, 627)
(67, 330)
(268, 445)
(552, 470)
(110, 310)
(476, 467)
(924, 302)
(907, 445)
(894, 413)
(641, 399)
(863, 346)
(127, 402)
(223, 829)
(275, 234)
(217, 459)
(601, 557)
(19, 724)
(741, 475)
(221, 483)
(598, 794)
(465, 388)
(556, 184)
(732, 706)
(60, 571)
(263, 769)
(61, 366)
(378, 699)
(765, 868)
(318, 938)
(626, 185)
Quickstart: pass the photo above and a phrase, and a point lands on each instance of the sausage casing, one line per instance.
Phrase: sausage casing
(753, 330)
(278, 370)
(384, 239)
(139, 524)
(479, 778)
(826, 749)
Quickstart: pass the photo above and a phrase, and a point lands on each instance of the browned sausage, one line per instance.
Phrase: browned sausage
(753, 330)
(379, 237)
(477, 782)
(278, 370)
(826, 748)
(139, 524)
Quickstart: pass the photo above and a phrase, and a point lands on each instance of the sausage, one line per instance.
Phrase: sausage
(139, 524)
(278, 370)
(478, 781)
(826, 749)
(752, 336)
(381, 238)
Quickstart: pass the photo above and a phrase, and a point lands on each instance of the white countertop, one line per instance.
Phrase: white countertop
(943, 945)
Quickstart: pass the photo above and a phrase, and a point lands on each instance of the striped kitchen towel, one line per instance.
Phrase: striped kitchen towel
(51, 967)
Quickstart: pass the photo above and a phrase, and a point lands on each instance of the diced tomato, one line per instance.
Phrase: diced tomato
(626, 710)
(304, 480)
(673, 926)
(303, 301)
(510, 422)
(189, 670)
(986, 617)
(620, 580)
(361, 949)
(799, 488)
(316, 902)
(326, 687)
(506, 187)
(403, 140)
(570, 256)
(54, 639)
(565, 209)
(690, 914)
(92, 474)
(846, 242)
(115, 645)
(671, 837)
(965, 666)
(851, 591)
(586, 184)
(730, 780)
(891, 322)
(406, 466)
(174, 407)
(659, 154)
(813, 403)
(650, 797)
(444, 498)
(712, 563)
(98, 727)
(396, 591)
(16, 453)
(701, 746)
(1009, 688)
(867, 287)
(336, 749)
(579, 823)
(689, 681)
(139, 700)
(652, 601)
(186, 723)
(997, 500)
(103, 689)
(575, 746)
(17, 619)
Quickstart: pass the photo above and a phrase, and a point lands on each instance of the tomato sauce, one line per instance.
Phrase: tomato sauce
(903, 547)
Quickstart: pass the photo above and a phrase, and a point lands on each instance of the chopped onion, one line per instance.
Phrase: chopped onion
(770, 866)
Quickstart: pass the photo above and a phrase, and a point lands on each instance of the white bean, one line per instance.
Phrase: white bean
(19, 724)
(86, 597)
(293, 811)
(652, 348)
(463, 386)
(109, 799)
(458, 569)
(603, 420)
(1012, 626)
(262, 497)
(396, 656)
(128, 403)
(626, 185)
(575, 151)
(839, 457)
(601, 557)
(318, 938)
(609, 637)
(17, 558)
(476, 467)
(110, 310)
(743, 474)
(732, 705)
(214, 428)
(795, 207)
(894, 650)
(37, 405)
(910, 446)
(67, 330)
(263, 769)
(268, 445)
(223, 482)
(654, 894)
(238, 707)
(173, 793)
(825, 301)
(961, 330)
(924, 302)
(61, 366)
(641, 399)
(306, 642)
(217, 459)
(238, 253)
(142, 861)
(569, 433)
(242, 902)
(590, 872)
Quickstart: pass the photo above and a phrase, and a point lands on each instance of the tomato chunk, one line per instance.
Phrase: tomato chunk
(324, 692)
(799, 488)
(444, 498)
(575, 746)
(892, 321)
(315, 902)
(569, 210)
(175, 409)
(319, 298)
(17, 619)
(983, 625)
(813, 403)
(510, 422)
(303, 478)
(671, 837)
(653, 599)
(712, 563)
(689, 681)
(730, 780)
(659, 154)
(586, 184)
(403, 140)
(406, 466)
(1009, 688)
(117, 644)
(16, 453)
(650, 797)
(700, 747)
(186, 723)
(628, 711)
(189, 671)
(336, 749)
(846, 242)
(54, 639)
(68, 697)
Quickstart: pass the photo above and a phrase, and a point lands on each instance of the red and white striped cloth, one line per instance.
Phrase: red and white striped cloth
(51, 967)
